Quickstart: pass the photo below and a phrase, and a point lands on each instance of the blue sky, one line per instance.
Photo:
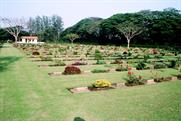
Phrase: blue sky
(72, 11)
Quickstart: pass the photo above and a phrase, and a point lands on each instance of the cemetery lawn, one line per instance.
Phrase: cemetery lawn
(29, 93)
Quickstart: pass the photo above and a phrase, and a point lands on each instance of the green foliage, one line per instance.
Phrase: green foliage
(45, 58)
(159, 27)
(159, 65)
(87, 28)
(59, 63)
(101, 84)
(162, 79)
(146, 57)
(141, 65)
(72, 37)
(100, 70)
(129, 30)
(179, 76)
(172, 64)
(47, 28)
(98, 56)
(134, 80)
(100, 62)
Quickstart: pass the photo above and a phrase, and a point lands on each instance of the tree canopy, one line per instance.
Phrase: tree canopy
(158, 27)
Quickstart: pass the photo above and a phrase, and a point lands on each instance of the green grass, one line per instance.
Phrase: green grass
(28, 93)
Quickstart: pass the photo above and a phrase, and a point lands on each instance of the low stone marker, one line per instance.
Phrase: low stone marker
(43, 65)
(151, 81)
(120, 85)
(174, 78)
(55, 73)
(79, 89)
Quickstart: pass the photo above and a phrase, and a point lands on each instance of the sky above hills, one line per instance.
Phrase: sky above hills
(72, 11)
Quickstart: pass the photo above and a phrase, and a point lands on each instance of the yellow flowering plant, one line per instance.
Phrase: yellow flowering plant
(101, 83)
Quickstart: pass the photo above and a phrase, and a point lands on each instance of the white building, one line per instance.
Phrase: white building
(29, 39)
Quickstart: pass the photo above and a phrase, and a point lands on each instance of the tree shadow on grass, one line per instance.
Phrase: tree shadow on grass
(6, 61)
(79, 119)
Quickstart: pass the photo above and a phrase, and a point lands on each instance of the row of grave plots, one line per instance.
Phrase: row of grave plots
(111, 66)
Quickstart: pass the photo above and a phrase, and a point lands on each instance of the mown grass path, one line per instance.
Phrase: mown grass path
(29, 94)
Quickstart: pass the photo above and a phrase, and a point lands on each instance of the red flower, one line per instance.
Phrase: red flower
(129, 72)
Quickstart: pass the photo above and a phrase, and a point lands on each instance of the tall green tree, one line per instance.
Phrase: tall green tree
(72, 37)
(129, 30)
(47, 28)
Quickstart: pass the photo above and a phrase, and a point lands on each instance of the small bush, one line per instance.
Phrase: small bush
(59, 63)
(35, 53)
(129, 53)
(141, 65)
(100, 62)
(100, 70)
(179, 76)
(159, 65)
(146, 57)
(71, 70)
(133, 80)
(97, 51)
(101, 84)
(162, 79)
(121, 68)
(98, 56)
(172, 64)
(45, 58)
(158, 56)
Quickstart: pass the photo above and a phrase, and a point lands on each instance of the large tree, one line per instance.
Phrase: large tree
(72, 37)
(130, 30)
(13, 26)
(45, 26)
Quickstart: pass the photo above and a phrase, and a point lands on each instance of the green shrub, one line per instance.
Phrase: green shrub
(45, 58)
(98, 56)
(100, 62)
(141, 65)
(146, 57)
(121, 68)
(133, 80)
(97, 51)
(101, 84)
(129, 53)
(162, 79)
(172, 64)
(59, 63)
(159, 65)
(100, 70)
(158, 56)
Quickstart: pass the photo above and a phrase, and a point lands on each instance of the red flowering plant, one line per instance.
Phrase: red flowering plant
(71, 70)
(134, 80)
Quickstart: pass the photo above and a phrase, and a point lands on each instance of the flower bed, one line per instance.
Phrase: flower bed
(101, 85)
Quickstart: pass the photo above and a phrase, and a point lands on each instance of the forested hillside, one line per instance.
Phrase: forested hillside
(158, 27)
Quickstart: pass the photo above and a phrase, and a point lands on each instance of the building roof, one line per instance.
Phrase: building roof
(29, 37)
